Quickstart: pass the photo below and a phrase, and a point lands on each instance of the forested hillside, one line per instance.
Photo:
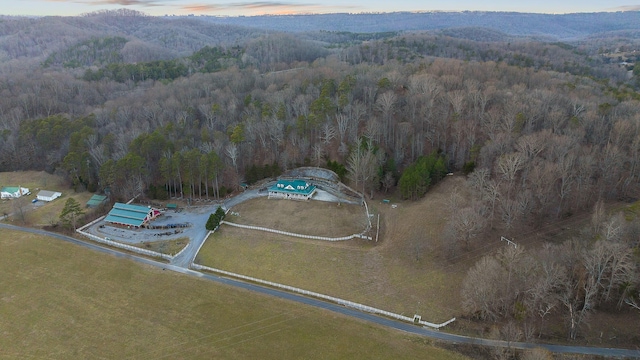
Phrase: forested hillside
(182, 108)
(147, 38)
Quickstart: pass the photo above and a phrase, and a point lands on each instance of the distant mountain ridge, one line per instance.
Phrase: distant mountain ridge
(561, 27)
(71, 40)
(149, 37)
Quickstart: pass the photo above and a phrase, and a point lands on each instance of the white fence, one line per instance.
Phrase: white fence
(415, 319)
(92, 223)
(297, 235)
(366, 208)
(125, 246)
(171, 257)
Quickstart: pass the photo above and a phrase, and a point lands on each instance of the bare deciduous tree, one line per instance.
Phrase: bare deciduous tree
(232, 152)
(550, 276)
(342, 121)
(19, 208)
(388, 181)
(318, 153)
(509, 165)
(386, 105)
(362, 166)
(327, 133)
(509, 211)
(482, 289)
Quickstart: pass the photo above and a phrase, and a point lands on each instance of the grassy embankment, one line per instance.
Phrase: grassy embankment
(169, 247)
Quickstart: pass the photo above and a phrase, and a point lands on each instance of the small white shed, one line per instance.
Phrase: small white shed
(46, 195)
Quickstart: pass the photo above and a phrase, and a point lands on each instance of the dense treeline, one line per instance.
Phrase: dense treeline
(154, 70)
(90, 52)
(346, 38)
(419, 176)
(207, 59)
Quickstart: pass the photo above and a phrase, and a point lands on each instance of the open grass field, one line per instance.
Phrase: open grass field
(61, 301)
(317, 218)
(403, 273)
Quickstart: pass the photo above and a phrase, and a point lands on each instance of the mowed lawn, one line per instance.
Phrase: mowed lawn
(61, 301)
(42, 213)
(404, 273)
(319, 218)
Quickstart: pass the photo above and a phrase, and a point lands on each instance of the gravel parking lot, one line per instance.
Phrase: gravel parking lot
(195, 216)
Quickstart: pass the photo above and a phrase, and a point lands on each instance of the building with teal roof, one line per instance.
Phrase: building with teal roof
(131, 215)
(292, 189)
(13, 192)
(96, 200)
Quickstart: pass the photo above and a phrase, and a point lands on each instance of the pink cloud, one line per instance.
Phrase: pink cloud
(627, 8)
(261, 7)
(145, 3)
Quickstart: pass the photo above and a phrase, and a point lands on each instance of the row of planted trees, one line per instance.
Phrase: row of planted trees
(151, 165)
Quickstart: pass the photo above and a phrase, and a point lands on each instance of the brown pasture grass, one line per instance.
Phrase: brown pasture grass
(317, 218)
(33, 180)
(50, 212)
(403, 272)
(61, 301)
(169, 247)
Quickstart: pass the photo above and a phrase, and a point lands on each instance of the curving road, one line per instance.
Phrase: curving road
(188, 255)
(434, 334)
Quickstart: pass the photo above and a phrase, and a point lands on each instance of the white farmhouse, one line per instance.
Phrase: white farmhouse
(13, 192)
(46, 195)
(292, 189)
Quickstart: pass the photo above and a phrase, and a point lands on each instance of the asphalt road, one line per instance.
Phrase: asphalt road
(186, 257)
(409, 328)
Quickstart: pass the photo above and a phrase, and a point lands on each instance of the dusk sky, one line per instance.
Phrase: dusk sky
(222, 7)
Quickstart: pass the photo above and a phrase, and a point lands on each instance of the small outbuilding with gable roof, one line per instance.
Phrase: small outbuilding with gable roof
(96, 200)
(292, 189)
(46, 195)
